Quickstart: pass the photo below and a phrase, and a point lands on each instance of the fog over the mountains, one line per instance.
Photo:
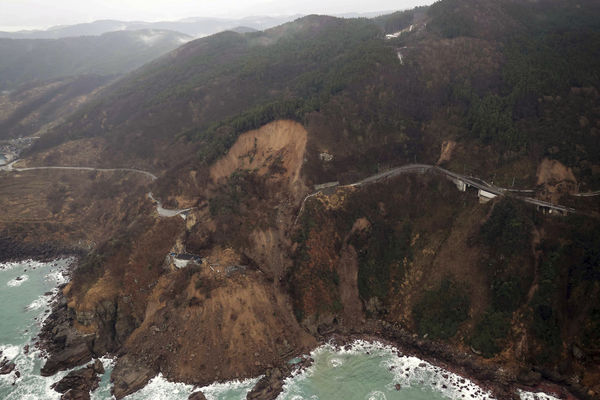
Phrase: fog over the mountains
(41, 14)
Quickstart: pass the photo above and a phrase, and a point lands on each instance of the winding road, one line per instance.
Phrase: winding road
(163, 212)
(11, 167)
(475, 182)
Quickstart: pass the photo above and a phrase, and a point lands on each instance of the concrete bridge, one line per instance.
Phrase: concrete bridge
(486, 191)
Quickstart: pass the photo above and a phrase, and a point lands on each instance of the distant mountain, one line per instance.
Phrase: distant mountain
(25, 60)
(241, 127)
(196, 27)
(243, 29)
(34, 108)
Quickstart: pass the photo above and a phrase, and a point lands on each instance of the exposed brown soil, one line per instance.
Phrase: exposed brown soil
(217, 327)
(555, 179)
(348, 271)
(233, 317)
(283, 142)
(448, 147)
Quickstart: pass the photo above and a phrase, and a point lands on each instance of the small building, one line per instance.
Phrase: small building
(183, 259)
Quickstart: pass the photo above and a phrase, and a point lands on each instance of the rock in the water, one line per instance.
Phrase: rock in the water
(197, 396)
(98, 367)
(75, 394)
(130, 375)
(7, 367)
(79, 383)
(268, 387)
(71, 356)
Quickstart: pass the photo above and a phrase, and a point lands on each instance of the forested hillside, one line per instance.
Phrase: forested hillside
(27, 60)
(239, 127)
(511, 86)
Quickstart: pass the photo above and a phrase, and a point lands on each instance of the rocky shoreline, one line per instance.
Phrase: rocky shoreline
(502, 383)
(66, 348)
(11, 250)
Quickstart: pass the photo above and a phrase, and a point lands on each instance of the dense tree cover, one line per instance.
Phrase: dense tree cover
(568, 295)
(228, 83)
(507, 235)
(397, 21)
(546, 316)
(545, 100)
(489, 333)
(381, 257)
(440, 311)
(508, 229)
(537, 67)
(305, 71)
(448, 20)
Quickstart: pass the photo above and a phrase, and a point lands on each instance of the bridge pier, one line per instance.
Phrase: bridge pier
(460, 184)
(485, 196)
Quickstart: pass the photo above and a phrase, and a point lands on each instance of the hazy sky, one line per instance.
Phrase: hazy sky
(27, 14)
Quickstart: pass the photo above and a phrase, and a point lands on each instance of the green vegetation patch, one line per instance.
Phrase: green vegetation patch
(381, 257)
(440, 311)
(508, 230)
(490, 333)
(546, 318)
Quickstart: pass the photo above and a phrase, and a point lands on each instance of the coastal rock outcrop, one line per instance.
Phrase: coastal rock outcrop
(130, 375)
(66, 346)
(197, 396)
(79, 383)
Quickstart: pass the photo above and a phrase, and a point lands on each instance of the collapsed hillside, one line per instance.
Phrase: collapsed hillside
(240, 127)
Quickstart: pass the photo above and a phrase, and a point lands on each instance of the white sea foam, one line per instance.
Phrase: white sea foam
(27, 263)
(407, 371)
(159, 388)
(216, 390)
(32, 264)
(103, 391)
(39, 303)
(376, 395)
(108, 362)
(10, 352)
(17, 281)
(57, 277)
(30, 385)
(335, 362)
(535, 396)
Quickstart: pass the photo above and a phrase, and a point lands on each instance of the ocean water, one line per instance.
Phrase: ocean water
(24, 306)
(374, 371)
(362, 371)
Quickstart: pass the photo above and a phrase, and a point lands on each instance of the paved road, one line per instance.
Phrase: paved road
(406, 169)
(163, 212)
(11, 167)
(469, 180)
(589, 194)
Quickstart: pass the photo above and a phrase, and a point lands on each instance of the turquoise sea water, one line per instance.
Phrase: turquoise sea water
(23, 306)
(363, 371)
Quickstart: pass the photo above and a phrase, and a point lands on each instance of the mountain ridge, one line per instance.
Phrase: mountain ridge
(24, 60)
(240, 127)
